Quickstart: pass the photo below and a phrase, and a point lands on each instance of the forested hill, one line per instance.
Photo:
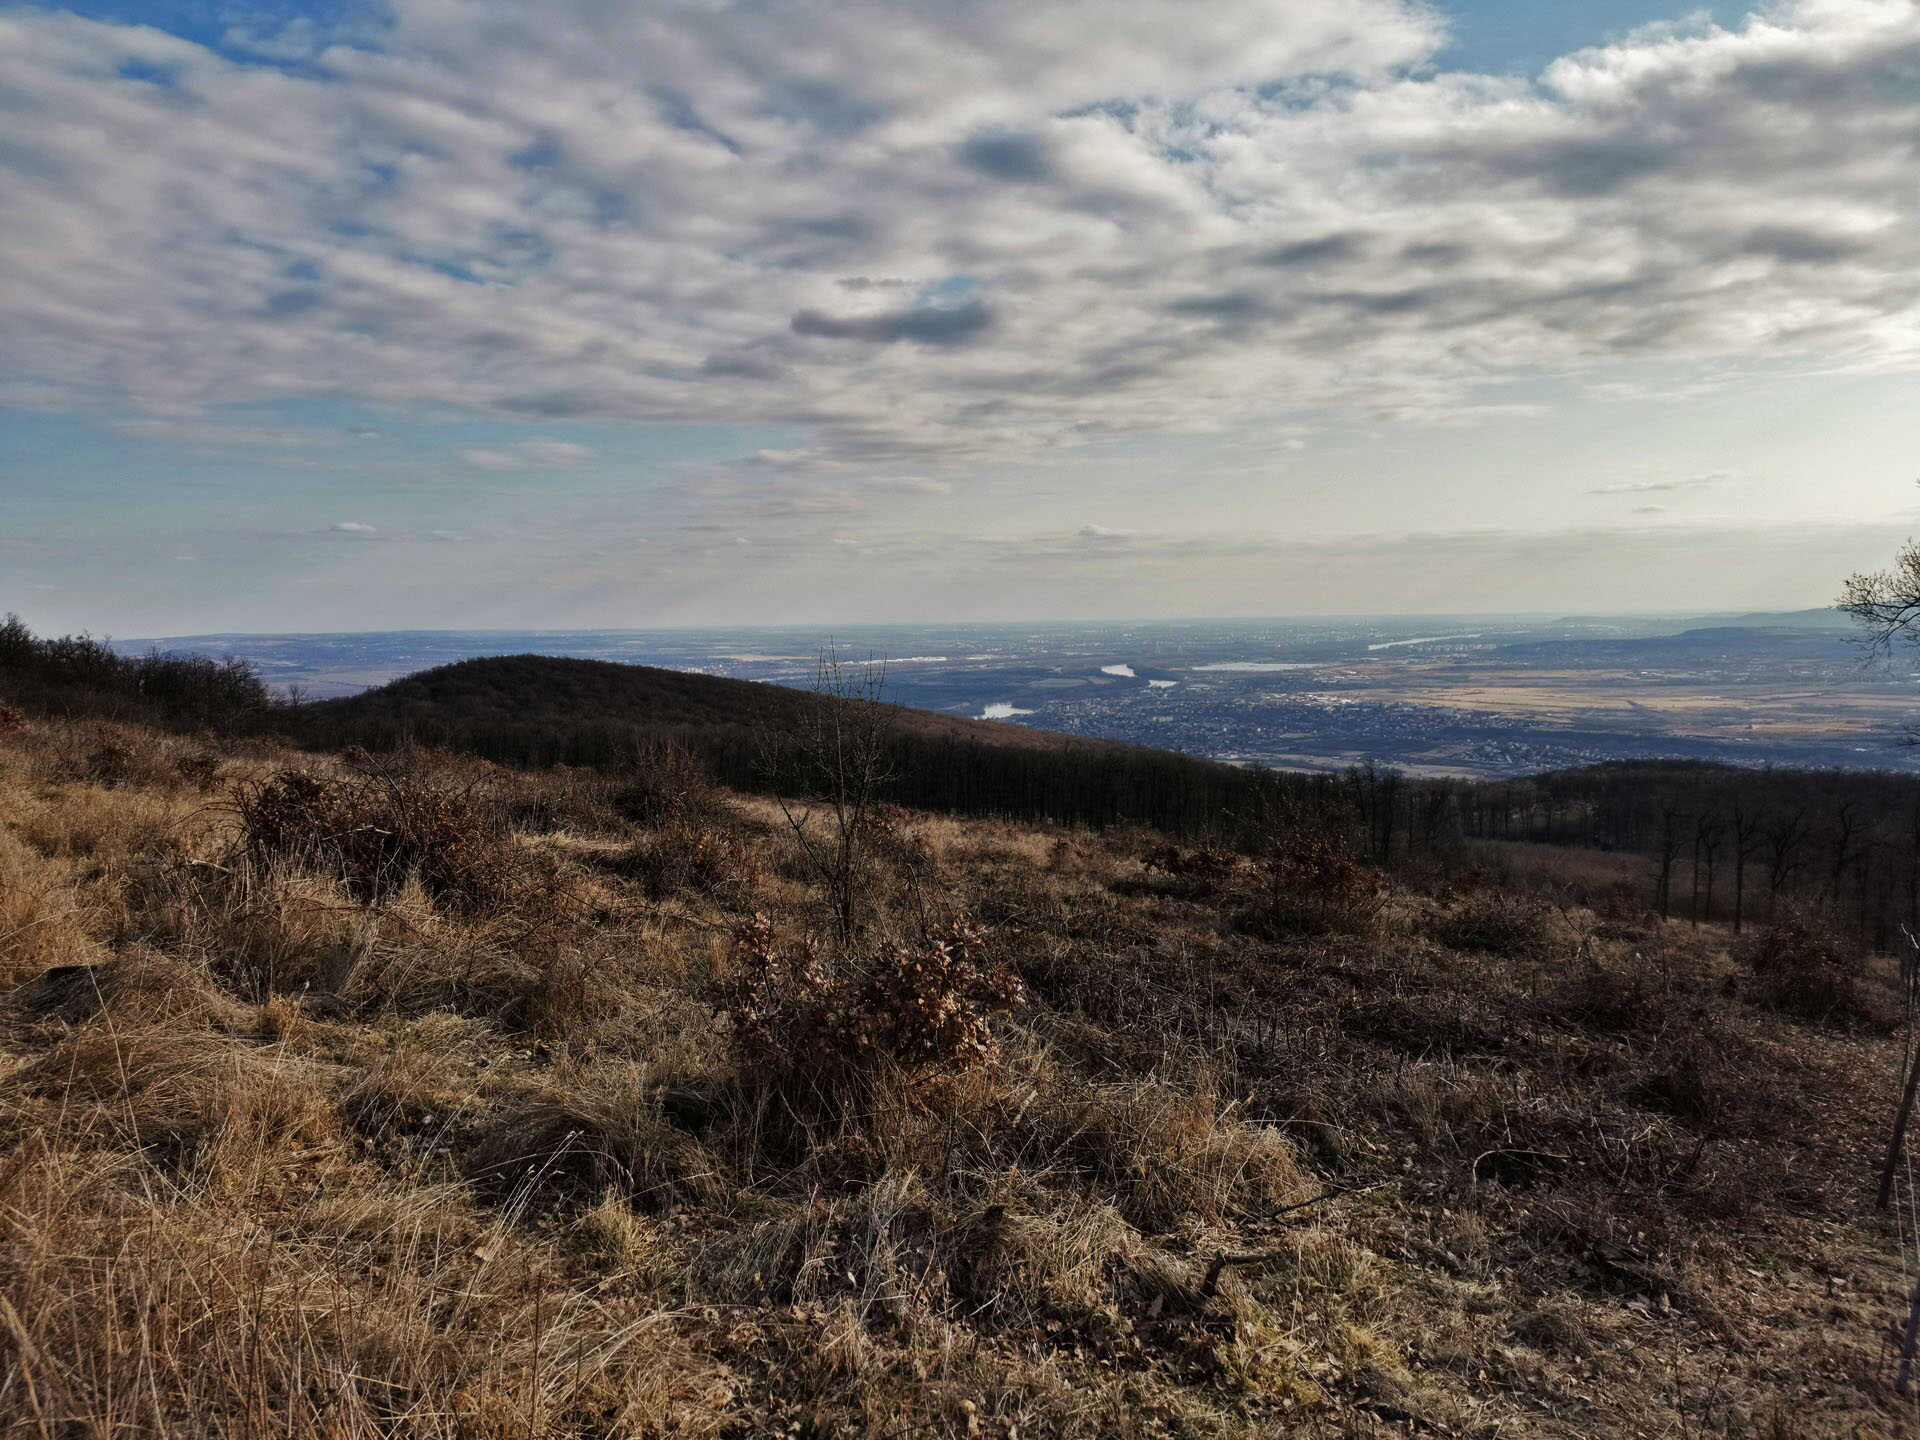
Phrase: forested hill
(531, 700)
(532, 711)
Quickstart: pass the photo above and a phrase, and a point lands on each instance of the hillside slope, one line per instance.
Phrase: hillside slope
(544, 695)
(424, 1098)
(535, 711)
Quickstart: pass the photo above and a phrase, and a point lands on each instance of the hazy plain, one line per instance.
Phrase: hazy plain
(1484, 696)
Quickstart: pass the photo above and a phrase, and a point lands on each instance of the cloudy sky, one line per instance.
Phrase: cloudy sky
(628, 312)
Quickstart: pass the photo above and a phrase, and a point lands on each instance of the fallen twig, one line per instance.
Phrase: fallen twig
(1222, 1258)
(1394, 1415)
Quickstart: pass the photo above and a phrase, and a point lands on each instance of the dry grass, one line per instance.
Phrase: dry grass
(356, 1098)
(1511, 926)
(44, 915)
(379, 832)
(684, 857)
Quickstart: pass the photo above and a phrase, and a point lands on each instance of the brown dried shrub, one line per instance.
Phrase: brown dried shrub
(1190, 864)
(890, 839)
(1686, 1080)
(1611, 998)
(136, 987)
(916, 1009)
(1314, 887)
(208, 1112)
(44, 920)
(113, 757)
(562, 798)
(662, 784)
(591, 1130)
(1802, 967)
(198, 768)
(12, 718)
(1163, 1153)
(1179, 874)
(551, 982)
(683, 856)
(1556, 1327)
(112, 764)
(376, 831)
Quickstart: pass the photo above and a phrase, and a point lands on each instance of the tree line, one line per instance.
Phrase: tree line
(77, 676)
(1713, 842)
(1717, 842)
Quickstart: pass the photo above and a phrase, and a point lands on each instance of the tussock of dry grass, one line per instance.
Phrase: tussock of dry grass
(587, 1130)
(1162, 1154)
(1512, 926)
(686, 857)
(354, 1320)
(410, 1096)
(44, 918)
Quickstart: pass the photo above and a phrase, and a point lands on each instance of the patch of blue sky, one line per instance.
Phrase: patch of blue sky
(1524, 36)
(543, 154)
(1495, 36)
(148, 73)
(949, 291)
(681, 112)
(281, 33)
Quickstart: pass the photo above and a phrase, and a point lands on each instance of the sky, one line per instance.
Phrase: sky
(473, 313)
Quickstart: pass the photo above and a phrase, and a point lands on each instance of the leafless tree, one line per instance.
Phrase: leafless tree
(1886, 602)
(837, 758)
(1708, 834)
(1671, 839)
(1747, 842)
(1845, 848)
(1913, 869)
(1784, 837)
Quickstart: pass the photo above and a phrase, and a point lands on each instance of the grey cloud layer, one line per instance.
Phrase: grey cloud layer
(942, 232)
(482, 578)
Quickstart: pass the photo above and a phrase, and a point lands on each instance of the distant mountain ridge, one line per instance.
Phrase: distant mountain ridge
(1827, 617)
(1773, 637)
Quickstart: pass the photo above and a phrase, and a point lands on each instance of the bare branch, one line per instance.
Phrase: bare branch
(1886, 603)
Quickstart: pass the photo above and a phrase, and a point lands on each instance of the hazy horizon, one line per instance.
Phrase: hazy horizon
(1038, 621)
